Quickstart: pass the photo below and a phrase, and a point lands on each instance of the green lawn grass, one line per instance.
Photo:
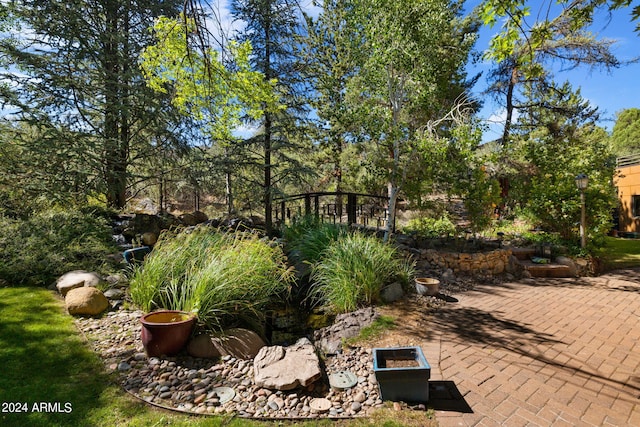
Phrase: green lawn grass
(620, 253)
(43, 358)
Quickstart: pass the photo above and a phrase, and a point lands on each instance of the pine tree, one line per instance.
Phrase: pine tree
(78, 82)
(272, 27)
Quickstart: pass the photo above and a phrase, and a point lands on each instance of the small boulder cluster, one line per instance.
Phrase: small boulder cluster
(82, 295)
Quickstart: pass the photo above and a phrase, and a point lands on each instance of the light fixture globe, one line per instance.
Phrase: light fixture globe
(582, 181)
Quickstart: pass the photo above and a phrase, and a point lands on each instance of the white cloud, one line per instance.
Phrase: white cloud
(222, 18)
(495, 124)
(246, 130)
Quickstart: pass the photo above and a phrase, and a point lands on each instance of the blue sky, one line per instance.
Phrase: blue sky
(611, 91)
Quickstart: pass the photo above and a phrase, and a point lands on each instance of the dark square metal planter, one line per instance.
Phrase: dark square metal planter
(402, 373)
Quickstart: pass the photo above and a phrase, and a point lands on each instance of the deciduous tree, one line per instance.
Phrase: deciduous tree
(409, 78)
(214, 93)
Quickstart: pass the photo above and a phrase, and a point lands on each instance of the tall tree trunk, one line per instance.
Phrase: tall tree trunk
(395, 86)
(267, 174)
(507, 123)
(337, 172)
(114, 163)
(392, 193)
(161, 193)
(268, 73)
(228, 184)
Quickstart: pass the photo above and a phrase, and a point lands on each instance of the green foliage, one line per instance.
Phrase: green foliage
(563, 143)
(278, 152)
(399, 93)
(482, 196)
(625, 138)
(225, 278)
(353, 271)
(530, 43)
(34, 323)
(202, 85)
(36, 250)
(80, 92)
(173, 258)
(430, 228)
(526, 40)
(620, 253)
(380, 325)
(307, 239)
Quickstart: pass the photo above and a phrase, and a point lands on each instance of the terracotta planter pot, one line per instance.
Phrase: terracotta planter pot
(427, 286)
(166, 332)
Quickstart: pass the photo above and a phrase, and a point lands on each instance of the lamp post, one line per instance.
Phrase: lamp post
(582, 181)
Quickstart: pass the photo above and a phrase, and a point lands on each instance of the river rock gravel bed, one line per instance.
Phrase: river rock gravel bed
(194, 385)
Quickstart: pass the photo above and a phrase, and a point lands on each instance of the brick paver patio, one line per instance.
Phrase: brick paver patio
(539, 352)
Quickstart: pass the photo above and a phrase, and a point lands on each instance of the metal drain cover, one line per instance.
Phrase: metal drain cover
(320, 404)
(225, 394)
(342, 380)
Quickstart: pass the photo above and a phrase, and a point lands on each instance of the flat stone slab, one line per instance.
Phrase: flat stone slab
(547, 270)
(285, 368)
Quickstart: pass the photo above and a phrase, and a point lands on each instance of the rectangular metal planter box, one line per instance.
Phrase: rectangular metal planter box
(402, 383)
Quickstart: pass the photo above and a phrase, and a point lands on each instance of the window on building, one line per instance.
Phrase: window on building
(635, 205)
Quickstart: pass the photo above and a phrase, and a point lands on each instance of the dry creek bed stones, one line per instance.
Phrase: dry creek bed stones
(215, 386)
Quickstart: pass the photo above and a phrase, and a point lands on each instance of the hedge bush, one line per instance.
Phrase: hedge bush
(36, 250)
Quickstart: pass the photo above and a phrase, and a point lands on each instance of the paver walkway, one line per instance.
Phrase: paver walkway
(539, 352)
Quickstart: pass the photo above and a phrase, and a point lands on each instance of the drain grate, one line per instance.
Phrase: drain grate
(342, 380)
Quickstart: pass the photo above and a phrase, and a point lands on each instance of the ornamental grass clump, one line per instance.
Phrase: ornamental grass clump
(226, 279)
(308, 239)
(174, 257)
(353, 270)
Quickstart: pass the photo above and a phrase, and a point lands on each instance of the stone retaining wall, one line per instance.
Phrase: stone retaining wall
(494, 262)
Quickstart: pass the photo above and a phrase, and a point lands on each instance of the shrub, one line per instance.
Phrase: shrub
(353, 270)
(227, 279)
(430, 228)
(36, 250)
(307, 239)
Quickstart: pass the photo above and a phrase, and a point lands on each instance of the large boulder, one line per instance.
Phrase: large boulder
(200, 216)
(76, 279)
(193, 218)
(392, 292)
(285, 368)
(86, 301)
(573, 268)
(202, 346)
(137, 225)
(149, 238)
(238, 342)
(347, 325)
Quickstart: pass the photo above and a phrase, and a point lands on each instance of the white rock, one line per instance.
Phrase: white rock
(76, 279)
